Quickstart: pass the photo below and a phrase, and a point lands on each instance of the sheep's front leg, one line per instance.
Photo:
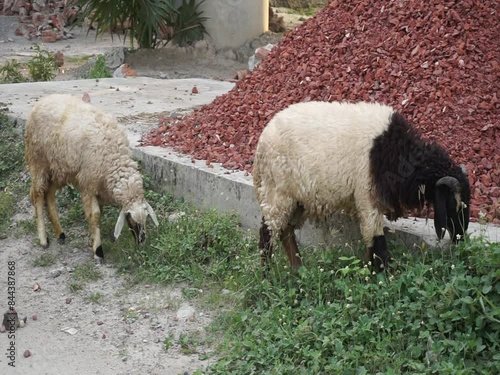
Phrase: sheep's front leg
(372, 231)
(38, 199)
(290, 245)
(53, 216)
(93, 215)
(378, 253)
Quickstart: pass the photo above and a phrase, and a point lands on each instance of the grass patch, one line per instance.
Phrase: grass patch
(77, 59)
(95, 297)
(202, 248)
(44, 260)
(168, 342)
(189, 342)
(82, 274)
(439, 313)
(99, 69)
(12, 180)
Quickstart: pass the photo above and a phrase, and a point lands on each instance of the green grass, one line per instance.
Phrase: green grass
(189, 342)
(439, 313)
(44, 260)
(95, 297)
(82, 274)
(77, 59)
(12, 183)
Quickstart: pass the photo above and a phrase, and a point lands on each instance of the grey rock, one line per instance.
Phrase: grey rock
(230, 54)
(115, 58)
(185, 311)
(56, 272)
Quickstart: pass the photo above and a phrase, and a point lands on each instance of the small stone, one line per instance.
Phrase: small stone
(71, 331)
(100, 323)
(194, 90)
(241, 74)
(55, 273)
(68, 300)
(49, 36)
(34, 317)
(229, 54)
(59, 58)
(86, 97)
(103, 336)
(27, 354)
(37, 287)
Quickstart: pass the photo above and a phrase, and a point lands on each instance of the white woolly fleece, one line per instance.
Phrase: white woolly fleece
(70, 141)
(317, 154)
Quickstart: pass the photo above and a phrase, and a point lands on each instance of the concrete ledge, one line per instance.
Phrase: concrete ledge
(140, 101)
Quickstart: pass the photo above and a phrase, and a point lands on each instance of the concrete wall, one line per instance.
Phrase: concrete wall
(232, 22)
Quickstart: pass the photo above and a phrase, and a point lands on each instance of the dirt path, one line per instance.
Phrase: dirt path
(121, 333)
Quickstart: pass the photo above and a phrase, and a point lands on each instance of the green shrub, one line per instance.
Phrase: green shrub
(146, 19)
(42, 67)
(10, 72)
(99, 69)
(188, 23)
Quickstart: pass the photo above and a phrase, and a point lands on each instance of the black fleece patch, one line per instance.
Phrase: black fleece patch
(401, 163)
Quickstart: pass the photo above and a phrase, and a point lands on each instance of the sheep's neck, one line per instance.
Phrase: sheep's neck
(127, 188)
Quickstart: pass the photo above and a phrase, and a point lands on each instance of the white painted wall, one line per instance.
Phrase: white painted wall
(232, 22)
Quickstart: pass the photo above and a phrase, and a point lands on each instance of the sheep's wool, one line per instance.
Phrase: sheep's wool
(73, 142)
(316, 155)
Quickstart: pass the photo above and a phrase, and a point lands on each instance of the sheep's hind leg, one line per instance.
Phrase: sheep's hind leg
(93, 215)
(37, 197)
(50, 197)
(290, 245)
(265, 245)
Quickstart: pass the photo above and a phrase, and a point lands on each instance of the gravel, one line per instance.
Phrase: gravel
(437, 62)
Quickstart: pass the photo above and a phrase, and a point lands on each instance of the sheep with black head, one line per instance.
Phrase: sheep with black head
(315, 159)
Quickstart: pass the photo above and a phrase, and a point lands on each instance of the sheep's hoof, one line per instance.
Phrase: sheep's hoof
(99, 255)
(62, 239)
(46, 244)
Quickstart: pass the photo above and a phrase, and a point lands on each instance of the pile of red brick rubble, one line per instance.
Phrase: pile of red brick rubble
(438, 62)
(43, 19)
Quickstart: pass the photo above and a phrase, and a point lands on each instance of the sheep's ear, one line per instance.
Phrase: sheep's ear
(152, 214)
(119, 224)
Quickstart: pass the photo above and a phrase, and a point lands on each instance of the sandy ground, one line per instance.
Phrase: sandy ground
(121, 333)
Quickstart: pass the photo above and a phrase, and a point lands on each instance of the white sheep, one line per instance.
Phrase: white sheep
(314, 159)
(69, 141)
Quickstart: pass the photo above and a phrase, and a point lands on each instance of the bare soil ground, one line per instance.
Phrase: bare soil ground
(111, 326)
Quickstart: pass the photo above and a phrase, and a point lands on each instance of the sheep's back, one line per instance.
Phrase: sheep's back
(74, 139)
(318, 154)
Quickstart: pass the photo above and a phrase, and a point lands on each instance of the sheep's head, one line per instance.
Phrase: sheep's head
(136, 217)
(451, 206)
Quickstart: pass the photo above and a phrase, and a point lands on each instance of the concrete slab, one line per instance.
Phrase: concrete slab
(138, 103)
(120, 96)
